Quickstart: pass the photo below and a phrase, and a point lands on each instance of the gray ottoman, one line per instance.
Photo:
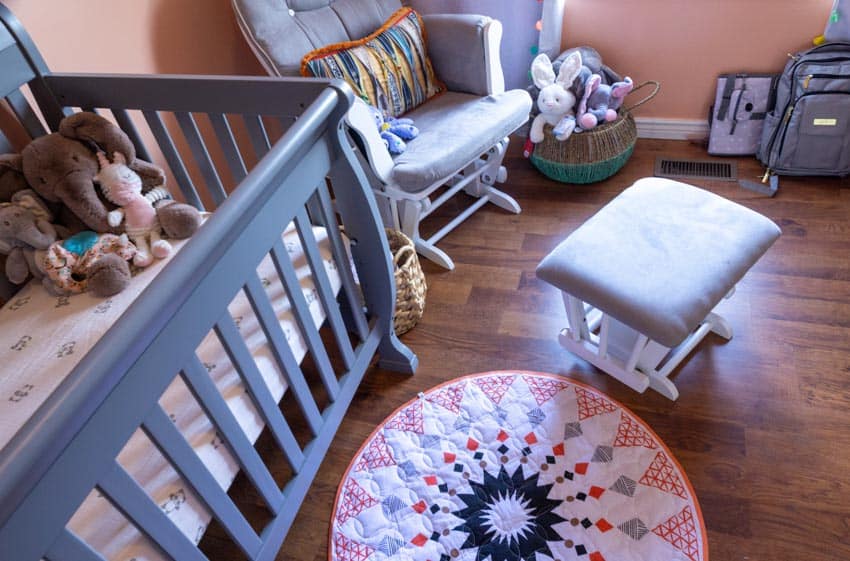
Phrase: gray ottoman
(642, 276)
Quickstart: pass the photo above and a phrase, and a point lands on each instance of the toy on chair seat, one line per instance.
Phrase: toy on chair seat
(123, 187)
(394, 131)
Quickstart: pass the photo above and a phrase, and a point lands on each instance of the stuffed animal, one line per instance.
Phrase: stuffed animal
(601, 101)
(11, 176)
(25, 226)
(555, 102)
(61, 168)
(97, 263)
(394, 131)
(123, 187)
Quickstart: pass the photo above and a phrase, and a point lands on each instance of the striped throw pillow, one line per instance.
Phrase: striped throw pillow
(389, 69)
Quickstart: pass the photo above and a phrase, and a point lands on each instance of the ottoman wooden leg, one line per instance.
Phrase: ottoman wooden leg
(627, 355)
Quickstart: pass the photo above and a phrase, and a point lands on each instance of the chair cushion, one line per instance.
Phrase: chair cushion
(660, 256)
(389, 69)
(455, 128)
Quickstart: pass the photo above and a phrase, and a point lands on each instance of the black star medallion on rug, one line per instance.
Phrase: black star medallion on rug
(508, 517)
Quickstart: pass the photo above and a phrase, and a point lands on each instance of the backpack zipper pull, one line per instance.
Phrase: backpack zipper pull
(795, 58)
(806, 81)
(766, 177)
(788, 114)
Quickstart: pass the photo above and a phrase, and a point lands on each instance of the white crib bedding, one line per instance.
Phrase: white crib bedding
(42, 337)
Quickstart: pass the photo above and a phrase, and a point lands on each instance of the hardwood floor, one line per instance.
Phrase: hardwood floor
(762, 427)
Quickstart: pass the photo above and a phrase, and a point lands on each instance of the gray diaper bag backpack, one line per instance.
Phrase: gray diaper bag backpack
(808, 131)
(737, 117)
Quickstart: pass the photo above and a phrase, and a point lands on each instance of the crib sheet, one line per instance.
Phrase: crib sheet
(42, 337)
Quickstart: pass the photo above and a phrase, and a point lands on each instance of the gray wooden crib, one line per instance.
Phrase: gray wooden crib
(307, 184)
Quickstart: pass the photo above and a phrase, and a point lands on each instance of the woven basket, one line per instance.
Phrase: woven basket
(409, 282)
(593, 155)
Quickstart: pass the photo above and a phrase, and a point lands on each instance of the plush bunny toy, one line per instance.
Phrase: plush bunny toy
(556, 102)
(123, 187)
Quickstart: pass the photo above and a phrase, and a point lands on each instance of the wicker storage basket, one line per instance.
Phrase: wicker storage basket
(409, 282)
(592, 155)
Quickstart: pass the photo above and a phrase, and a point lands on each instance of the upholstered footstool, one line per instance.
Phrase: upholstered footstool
(641, 277)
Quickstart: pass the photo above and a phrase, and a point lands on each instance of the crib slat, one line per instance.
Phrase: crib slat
(342, 261)
(122, 117)
(173, 446)
(323, 286)
(175, 162)
(69, 547)
(216, 408)
(228, 144)
(257, 133)
(241, 358)
(202, 156)
(138, 507)
(27, 117)
(283, 353)
(301, 310)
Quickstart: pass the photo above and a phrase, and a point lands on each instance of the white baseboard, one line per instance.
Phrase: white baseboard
(671, 129)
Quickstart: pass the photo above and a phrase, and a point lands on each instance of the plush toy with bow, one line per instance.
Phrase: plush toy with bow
(600, 101)
(123, 187)
(394, 132)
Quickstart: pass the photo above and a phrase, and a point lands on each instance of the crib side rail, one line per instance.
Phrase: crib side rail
(71, 444)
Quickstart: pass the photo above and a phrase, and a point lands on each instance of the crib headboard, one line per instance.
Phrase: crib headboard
(261, 153)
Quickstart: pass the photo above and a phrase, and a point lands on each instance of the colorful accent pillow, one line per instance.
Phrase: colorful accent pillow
(389, 69)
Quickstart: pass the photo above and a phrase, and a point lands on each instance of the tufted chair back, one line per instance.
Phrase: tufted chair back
(281, 32)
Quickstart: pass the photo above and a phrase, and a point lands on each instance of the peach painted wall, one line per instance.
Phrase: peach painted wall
(685, 44)
(682, 43)
(137, 36)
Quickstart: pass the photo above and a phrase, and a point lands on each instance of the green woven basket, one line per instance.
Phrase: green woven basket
(593, 155)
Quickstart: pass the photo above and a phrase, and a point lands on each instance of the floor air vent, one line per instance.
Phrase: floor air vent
(696, 169)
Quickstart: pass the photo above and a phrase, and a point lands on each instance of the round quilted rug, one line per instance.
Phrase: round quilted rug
(515, 466)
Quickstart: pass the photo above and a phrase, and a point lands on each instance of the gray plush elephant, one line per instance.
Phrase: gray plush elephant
(24, 228)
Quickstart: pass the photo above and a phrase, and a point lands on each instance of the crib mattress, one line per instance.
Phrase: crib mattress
(43, 337)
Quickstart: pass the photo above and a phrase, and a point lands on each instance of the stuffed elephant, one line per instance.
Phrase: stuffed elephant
(11, 176)
(24, 228)
(61, 167)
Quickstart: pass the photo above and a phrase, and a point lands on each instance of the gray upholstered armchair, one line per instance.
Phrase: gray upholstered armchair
(463, 131)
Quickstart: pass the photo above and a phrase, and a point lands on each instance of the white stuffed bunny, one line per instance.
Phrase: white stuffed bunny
(556, 102)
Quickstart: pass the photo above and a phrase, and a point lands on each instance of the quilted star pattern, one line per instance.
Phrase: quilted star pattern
(664, 475)
(681, 531)
(544, 389)
(630, 433)
(377, 454)
(408, 419)
(591, 404)
(494, 387)
(561, 472)
(448, 397)
(354, 500)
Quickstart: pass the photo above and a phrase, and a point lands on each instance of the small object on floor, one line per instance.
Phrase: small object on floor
(768, 189)
(512, 465)
(642, 276)
(527, 148)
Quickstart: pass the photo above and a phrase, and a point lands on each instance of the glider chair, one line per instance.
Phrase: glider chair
(463, 130)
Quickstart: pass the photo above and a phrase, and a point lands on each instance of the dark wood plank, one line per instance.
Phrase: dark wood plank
(762, 426)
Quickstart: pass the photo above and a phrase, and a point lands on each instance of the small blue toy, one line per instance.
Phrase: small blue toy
(394, 131)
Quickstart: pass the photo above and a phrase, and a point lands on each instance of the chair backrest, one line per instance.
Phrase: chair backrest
(282, 32)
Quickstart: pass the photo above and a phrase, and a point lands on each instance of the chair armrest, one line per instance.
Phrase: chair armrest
(361, 123)
(464, 50)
